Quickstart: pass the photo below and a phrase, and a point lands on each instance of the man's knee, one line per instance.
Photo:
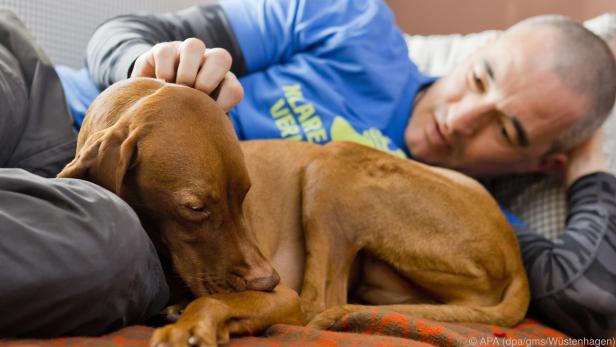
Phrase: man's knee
(75, 259)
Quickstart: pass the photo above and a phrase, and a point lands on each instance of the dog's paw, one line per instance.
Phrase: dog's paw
(327, 318)
(203, 323)
(185, 334)
(172, 313)
(311, 308)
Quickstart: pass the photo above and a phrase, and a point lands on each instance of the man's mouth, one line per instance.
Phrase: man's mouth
(436, 137)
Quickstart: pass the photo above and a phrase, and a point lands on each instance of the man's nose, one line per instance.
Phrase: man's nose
(468, 118)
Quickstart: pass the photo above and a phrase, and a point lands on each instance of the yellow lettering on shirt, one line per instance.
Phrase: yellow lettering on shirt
(279, 109)
(293, 93)
(312, 124)
(317, 136)
(296, 118)
(288, 126)
(304, 112)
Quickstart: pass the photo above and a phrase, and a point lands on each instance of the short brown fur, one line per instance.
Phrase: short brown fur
(338, 222)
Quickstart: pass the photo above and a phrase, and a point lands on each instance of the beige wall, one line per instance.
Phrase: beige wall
(465, 16)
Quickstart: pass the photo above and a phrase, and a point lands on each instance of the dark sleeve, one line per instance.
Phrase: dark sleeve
(117, 43)
(36, 132)
(573, 279)
(74, 259)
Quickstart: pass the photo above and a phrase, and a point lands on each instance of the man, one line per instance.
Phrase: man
(63, 266)
(338, 70)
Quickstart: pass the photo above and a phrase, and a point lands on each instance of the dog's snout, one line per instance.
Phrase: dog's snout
(264, 279)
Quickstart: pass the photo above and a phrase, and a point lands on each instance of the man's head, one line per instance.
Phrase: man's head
(517, 104)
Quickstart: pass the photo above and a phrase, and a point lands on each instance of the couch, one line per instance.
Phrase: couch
(63, 27)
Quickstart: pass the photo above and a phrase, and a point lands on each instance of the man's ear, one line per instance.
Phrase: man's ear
(552, 163)
(105, 158)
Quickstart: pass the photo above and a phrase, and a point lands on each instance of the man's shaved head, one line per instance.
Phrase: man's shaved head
(585, 64)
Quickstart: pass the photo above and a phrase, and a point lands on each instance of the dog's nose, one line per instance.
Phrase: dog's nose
(262, 279)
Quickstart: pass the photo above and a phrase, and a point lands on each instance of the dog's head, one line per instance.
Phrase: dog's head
(171, 152)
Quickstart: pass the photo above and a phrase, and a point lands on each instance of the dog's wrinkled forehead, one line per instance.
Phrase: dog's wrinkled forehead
(182, 130)
(145, 102)
(188, 113)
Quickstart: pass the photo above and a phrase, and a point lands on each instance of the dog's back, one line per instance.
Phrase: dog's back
(421, 222)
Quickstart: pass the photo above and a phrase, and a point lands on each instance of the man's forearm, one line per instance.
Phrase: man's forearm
(571, 274)
(592, 212)
(116, 44)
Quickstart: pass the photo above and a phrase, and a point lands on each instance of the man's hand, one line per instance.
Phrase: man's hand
(190, 63)
(586, 158)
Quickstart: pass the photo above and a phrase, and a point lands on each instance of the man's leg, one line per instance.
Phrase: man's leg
(74, 259)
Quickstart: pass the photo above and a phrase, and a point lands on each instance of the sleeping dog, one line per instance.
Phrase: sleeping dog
(275, 231)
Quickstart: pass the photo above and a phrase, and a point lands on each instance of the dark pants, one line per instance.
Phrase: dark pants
(74, 259)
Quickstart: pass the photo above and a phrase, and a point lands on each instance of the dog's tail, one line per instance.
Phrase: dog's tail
(510, 311)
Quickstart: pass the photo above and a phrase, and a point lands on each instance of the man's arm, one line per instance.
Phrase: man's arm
(171, 47)
(117, 43)
(68, 244)
(572, 279)
(265, 33)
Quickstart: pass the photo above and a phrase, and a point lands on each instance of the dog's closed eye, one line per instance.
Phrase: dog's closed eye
(194, 213)
(196, 208)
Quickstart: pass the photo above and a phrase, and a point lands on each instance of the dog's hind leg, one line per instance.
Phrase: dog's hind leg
(504, 313)
(440, 232)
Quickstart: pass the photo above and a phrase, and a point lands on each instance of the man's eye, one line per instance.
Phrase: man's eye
(505, 134)
(503, 131)
(477, 82)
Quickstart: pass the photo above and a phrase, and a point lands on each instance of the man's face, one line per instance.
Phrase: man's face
(498, 112)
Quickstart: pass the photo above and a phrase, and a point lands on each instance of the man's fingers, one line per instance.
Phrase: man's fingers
(214, 69)
(191, 56)
(231, 92)
(144, 66)
(191, 64)
(166, 58)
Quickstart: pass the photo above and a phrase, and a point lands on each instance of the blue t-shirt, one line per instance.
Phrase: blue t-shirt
(321, 71)
(318, 71)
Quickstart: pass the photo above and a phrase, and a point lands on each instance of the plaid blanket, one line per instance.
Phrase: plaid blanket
(378, 328)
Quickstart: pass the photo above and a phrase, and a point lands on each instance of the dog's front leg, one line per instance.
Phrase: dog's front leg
(210, 320)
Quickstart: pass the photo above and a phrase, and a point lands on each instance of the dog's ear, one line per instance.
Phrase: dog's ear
(105, 158)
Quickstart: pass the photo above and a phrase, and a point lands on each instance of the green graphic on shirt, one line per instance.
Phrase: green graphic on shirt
(296, 118)
(342, 130)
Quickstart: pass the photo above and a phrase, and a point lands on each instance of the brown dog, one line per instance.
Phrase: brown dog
(337, 221)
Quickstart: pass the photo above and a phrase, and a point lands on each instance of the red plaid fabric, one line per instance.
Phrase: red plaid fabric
(376, 328)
